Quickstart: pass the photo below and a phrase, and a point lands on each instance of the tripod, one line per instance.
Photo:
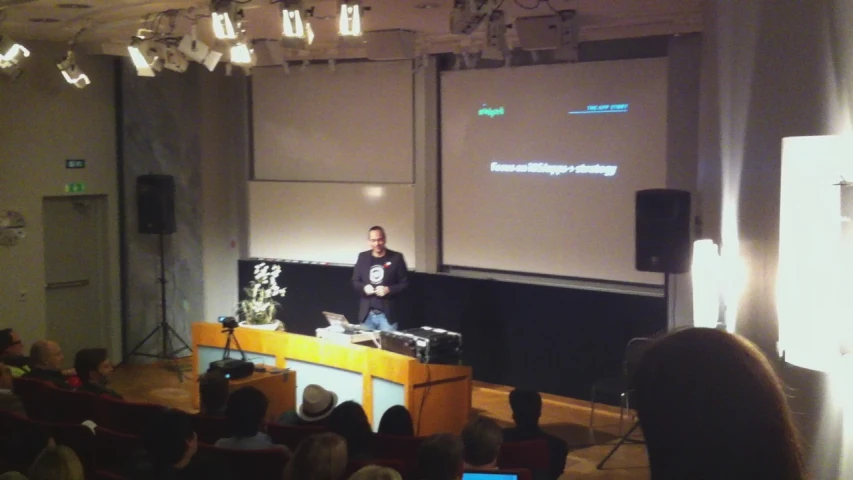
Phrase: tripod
(621, 442)
(227, 352)
(167, 351)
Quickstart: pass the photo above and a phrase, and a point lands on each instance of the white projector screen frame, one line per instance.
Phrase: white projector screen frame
(527, 176)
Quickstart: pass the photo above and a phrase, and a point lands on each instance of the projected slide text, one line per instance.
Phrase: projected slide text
(602, 108)
(553, 170)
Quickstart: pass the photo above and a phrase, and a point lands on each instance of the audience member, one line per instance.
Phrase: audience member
(9, 402)
(375, 472)
(396, 421)
(13, 476)
(440, 458)
(57, 463)
(213, 393)
(171, 448)
(12, 352)
(94, 369)
(711, 406)
(246, 415)
(526, 409)
(482, 440)
(349, 421)
(322, 456)
(317, 404)
(46, 358)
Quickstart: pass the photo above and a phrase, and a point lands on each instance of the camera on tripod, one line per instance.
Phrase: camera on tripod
(232, 368)
(229, 323)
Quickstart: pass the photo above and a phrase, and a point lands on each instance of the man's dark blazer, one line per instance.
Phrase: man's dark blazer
(396, 279)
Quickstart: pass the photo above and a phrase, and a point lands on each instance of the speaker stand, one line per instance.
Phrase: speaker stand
(167, 350)
(621, 442)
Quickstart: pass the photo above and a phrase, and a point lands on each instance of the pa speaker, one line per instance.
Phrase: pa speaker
(155, 195)
(663, 231)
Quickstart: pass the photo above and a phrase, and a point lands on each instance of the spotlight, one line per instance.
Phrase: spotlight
(224, 15)
(295, 28)
(11, 52)
(192, 47)
(71, 72)
(175, 60)
(349, 20)
(144, 56)
(197, 51)
(291, 18)
(242, 55)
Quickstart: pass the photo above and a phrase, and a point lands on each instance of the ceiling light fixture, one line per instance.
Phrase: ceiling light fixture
(349, 19)
(72, 72)
(224, 17)
(198, 51)
(294, 21)
(144, 56)
(291, 18)
(11, 52)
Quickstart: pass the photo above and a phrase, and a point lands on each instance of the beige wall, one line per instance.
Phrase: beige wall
(225, 154)
(44, 121)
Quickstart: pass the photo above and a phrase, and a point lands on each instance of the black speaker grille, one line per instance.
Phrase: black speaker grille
(155, 195)
(663, 242)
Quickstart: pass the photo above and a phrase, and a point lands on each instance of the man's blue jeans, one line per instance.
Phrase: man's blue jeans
(377, 320)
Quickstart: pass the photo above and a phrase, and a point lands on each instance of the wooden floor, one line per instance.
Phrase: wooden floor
(564, 417)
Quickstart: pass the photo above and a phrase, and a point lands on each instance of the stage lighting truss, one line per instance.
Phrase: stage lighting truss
(349, 18)
(71, 72)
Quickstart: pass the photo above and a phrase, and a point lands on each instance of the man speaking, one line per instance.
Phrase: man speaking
(380, 275)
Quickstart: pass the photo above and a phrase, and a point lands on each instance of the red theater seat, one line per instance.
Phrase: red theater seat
(404, 449)
(290, 435)
(532, 455)
(126, 417)
(254, 464)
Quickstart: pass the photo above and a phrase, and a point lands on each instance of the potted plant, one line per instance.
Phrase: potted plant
(258, 309)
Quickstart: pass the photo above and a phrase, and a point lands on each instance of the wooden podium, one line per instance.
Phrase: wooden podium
(437, 396)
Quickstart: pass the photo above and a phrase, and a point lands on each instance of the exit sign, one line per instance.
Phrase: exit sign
(75, 163)
(75, 187)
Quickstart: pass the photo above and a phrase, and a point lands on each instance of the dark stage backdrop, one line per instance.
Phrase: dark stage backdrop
(550, 339)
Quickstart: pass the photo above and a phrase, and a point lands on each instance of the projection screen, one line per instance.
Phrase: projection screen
(540, 166)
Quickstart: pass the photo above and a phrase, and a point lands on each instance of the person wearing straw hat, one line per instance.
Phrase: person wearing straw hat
(317, 404)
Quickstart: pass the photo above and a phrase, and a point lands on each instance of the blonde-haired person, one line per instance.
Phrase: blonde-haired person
(375, 472)
(322, 456)
(712, 407)
(57, 463)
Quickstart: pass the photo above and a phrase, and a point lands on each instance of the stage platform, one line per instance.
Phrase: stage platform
(437, 396)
